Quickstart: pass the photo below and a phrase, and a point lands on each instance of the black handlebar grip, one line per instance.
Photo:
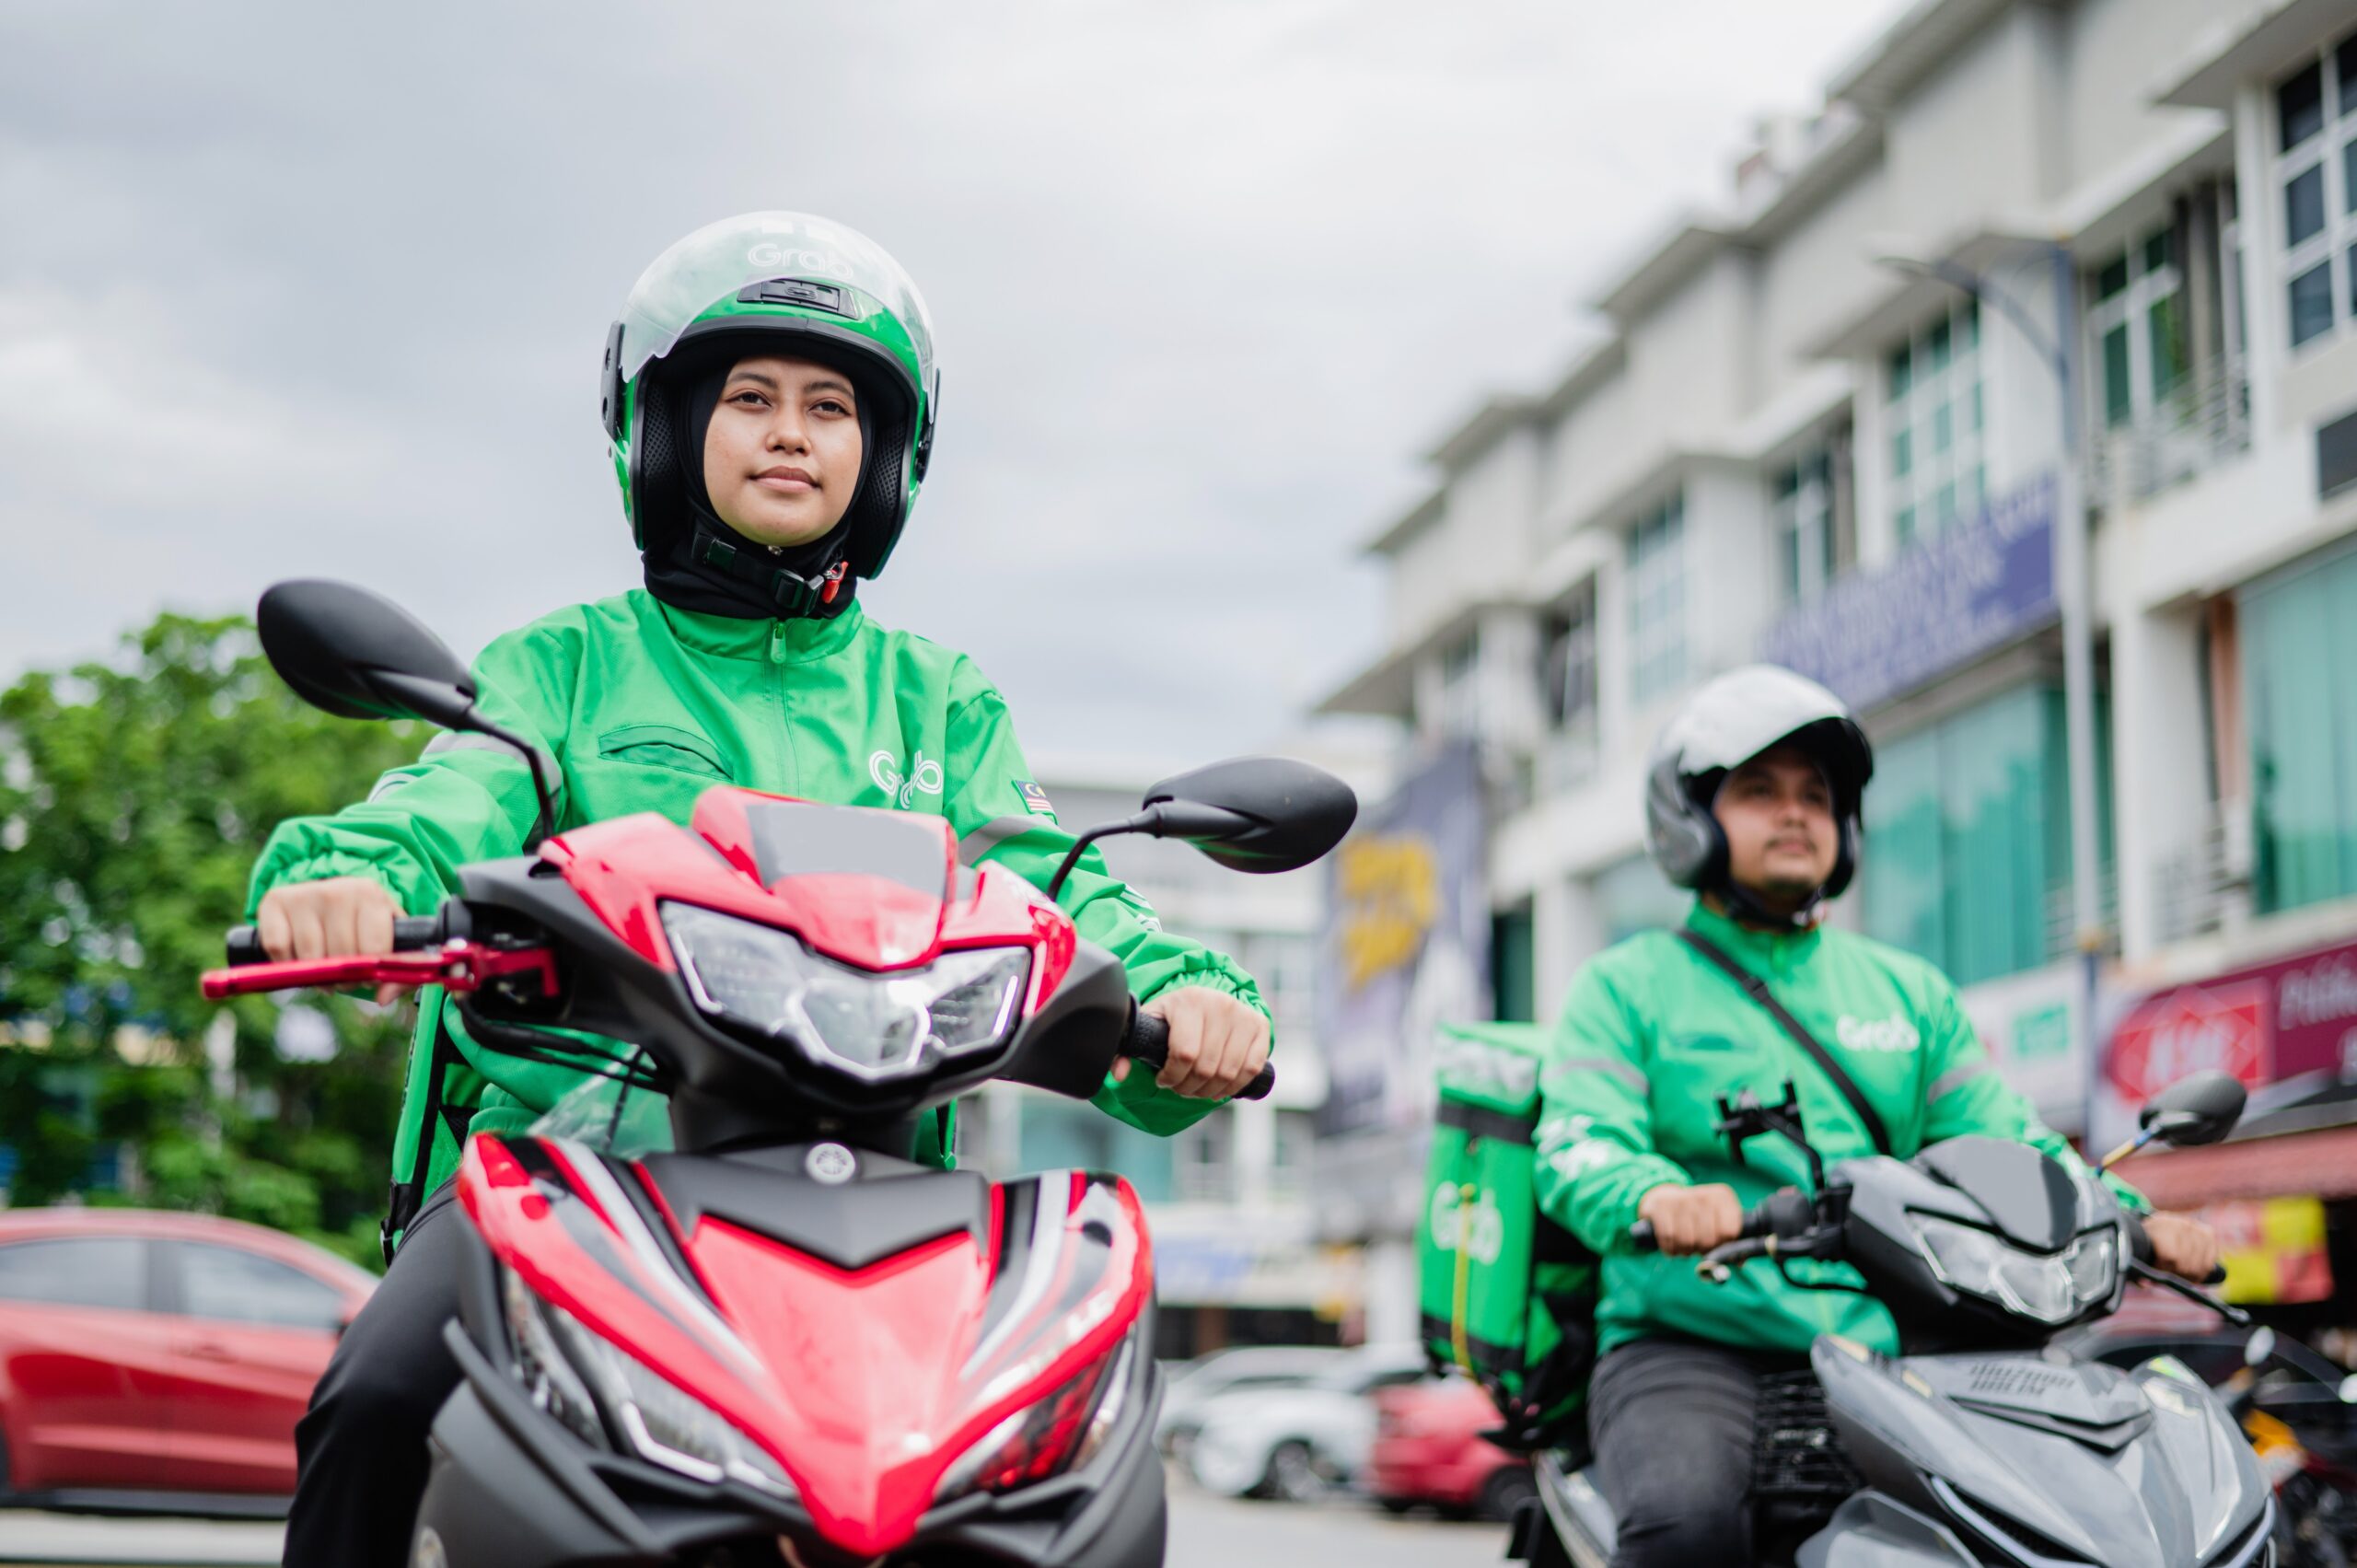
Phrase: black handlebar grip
(244, 943)
(2216, 1276)
(410, 934)
(1642, 1237)
(1148, 1044)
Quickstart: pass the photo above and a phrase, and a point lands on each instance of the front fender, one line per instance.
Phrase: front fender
(1871, 1530)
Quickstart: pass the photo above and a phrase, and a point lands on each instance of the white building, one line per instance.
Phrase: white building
(1797, 438)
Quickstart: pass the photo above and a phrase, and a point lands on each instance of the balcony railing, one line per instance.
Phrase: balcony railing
(2202, 423)
(2207, 882)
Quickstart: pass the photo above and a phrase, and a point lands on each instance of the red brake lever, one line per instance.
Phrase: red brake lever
(457, 966)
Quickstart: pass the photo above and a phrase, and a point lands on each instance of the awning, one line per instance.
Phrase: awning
(2321, 1163)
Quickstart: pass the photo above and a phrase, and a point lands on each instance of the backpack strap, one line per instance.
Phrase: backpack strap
(1756, 989)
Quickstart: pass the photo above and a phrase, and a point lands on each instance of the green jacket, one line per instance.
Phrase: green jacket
(643, 707)
(1653, 1035)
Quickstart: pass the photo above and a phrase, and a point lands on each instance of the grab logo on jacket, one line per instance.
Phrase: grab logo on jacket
(923, 777)
(1891, 1034)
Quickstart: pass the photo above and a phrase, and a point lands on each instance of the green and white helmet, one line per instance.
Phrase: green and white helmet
(778, 283)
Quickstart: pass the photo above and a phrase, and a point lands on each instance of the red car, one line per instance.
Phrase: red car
(159, 1360)
(1428, 1449)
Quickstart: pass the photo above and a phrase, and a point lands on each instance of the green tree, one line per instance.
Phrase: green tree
(133, 798)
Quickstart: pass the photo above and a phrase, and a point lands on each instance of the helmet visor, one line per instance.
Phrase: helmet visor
(720, 259)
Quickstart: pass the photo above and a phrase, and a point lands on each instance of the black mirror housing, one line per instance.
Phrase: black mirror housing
(1257, 814)
(2200, 1108)
(359, 656)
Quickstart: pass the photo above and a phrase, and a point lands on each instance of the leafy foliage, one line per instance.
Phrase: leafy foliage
(135, 797)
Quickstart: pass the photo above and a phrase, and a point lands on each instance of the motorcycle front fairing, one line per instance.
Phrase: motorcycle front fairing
(2042, 1462)
(910, 1361)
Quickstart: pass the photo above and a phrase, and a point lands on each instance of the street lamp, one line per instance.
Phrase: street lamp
(2060, 356)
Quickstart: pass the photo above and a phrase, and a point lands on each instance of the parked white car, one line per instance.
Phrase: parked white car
(1297, 1443)
(1193, 1385)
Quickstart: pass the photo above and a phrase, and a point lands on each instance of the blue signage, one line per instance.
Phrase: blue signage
(1943, 602)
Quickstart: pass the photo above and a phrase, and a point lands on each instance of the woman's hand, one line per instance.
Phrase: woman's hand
(333, 917)
(1218, 1043)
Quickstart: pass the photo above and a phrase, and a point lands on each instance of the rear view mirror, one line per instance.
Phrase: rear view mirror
(2202, 1108)
(1259, 814)
(359, 656)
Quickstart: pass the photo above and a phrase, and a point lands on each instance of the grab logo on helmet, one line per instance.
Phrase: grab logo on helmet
(768, 253)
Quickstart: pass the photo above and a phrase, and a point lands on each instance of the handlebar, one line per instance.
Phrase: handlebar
(1148, 1044)
(410, 934)
(1784, 1212)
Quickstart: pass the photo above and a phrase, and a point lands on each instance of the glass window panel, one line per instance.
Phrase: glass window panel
(2113, 277)
(2301, 635)
(2166, 343)
(2312, 303)
(76, 1272)
(2346, 55)
(2118, 397)
(1943, 427)
(2159, 247)
(1944, 504)
(1788, 550)
(1969, 327)
(1900, 876)
(2304, 205)
(1902, 453)
(1905, 523)
(1787, 481)
(2349, 178)
(1936, 347)
(237, 1286)
(2299, 105)
(1902, 369)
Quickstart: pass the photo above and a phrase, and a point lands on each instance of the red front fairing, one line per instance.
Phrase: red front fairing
(625, 867)
(865, 1385)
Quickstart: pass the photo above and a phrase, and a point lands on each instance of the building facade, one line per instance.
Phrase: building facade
(2032, 263)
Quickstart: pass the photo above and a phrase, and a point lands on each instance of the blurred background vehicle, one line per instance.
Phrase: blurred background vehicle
(159, 1362)
(1193, 1385)
(1428, 1448)
(1296, 1444)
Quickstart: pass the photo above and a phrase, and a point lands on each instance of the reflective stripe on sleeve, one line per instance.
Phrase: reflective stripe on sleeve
(1620, 1073)
(1956, 1077)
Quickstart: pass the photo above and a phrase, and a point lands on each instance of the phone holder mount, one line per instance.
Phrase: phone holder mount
(1743, 1119)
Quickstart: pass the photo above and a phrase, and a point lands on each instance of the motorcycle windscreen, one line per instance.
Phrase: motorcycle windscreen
(863, 886)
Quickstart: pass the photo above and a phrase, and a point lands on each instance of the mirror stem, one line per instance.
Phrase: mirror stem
(1143, 823)
(2121, 1153)
(545, 823)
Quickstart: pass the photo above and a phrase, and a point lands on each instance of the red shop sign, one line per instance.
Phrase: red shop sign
(2262, 1024)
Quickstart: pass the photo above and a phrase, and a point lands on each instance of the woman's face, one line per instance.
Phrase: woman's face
(781, 456)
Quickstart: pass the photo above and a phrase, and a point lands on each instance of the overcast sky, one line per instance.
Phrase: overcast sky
(306, 289)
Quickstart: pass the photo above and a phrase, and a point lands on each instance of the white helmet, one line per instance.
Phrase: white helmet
(1725, 723)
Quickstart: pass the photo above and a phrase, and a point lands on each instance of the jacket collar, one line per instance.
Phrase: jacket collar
(793, 640)
(1766, 953)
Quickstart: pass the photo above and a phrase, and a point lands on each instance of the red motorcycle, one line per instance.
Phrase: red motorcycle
(780, 1341)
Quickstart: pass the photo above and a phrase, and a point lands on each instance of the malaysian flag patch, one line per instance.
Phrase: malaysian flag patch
(1035, 799)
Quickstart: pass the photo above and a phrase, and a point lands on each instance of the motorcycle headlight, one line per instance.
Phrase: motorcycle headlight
(876, 1026)
(2048, 1287)
(656, 1417)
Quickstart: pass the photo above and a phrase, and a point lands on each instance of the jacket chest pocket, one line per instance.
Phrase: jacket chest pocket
(665, 746)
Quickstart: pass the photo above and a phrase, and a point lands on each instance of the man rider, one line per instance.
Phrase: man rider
(1752, 799)
(770, 395)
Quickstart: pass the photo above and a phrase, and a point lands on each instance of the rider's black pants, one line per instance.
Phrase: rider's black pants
(360, 1451)
(1671, 1423)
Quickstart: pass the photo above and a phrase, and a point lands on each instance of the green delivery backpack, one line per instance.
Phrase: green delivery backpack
(1506, 1293)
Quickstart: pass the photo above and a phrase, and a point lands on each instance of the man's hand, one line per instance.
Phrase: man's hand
(2183, 1246)
(1217, 1043)
(330, 918)
(1691, 1219)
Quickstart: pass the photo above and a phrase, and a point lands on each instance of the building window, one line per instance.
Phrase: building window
(1567, 659)
(1937, 475)
(1513, 980)
(2138, 323)
(1632, 894)
(1809, 509)
(2316, 173)
(1056, 1133)
(1657, 601)
(1968, 862)
(2299, 640)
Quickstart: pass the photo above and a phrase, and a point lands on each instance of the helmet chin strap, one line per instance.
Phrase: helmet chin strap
(1748, 908)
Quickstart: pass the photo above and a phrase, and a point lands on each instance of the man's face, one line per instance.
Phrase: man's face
(1777, 812)
(781, 456)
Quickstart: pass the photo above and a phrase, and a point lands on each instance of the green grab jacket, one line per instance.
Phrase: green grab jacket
(1651, 1035)
(643, 707)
